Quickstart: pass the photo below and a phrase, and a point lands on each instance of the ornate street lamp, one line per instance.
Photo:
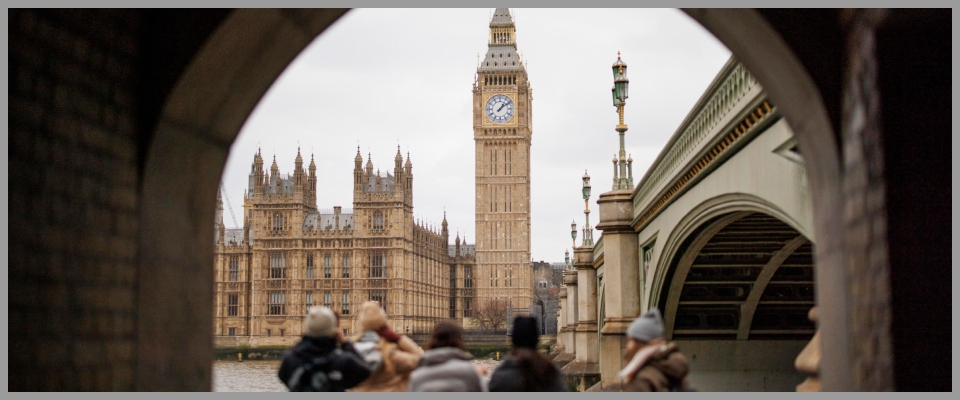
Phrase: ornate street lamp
(573, 233)
(622, 165)
(587, 230)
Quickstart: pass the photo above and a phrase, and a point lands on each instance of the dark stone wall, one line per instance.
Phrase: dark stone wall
(74, 201)
(914, 58)
(85, 89)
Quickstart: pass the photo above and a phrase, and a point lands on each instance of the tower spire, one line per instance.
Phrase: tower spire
(502, 44)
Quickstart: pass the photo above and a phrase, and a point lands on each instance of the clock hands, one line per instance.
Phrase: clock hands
(499, 108)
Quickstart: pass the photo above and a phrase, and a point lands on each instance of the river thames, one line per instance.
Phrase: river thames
(261, 376)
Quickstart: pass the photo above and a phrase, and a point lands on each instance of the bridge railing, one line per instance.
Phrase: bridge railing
(732, 87)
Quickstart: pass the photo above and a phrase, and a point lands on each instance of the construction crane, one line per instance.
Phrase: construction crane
(229, 206)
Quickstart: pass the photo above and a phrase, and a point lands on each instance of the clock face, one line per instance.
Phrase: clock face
(499, 108)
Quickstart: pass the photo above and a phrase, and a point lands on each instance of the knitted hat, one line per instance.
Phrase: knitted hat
(525, 332)
(320, 321)
(646, 327)
(372, 317)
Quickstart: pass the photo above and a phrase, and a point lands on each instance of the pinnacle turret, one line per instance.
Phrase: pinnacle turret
(501, 17)
(443, 227)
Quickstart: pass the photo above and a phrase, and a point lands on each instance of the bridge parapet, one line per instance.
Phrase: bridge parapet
(728, 94)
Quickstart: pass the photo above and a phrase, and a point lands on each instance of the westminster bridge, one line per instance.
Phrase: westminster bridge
(718, 235)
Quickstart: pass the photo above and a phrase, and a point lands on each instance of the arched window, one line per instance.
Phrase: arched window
(378, 220)
(376, 265)
(278, 265)
(309, 270)
(277, 303)
(327, 266)
(277, 222)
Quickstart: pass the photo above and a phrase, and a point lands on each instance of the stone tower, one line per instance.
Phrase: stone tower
(502, 132)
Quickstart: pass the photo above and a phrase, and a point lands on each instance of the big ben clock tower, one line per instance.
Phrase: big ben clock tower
(502, 131)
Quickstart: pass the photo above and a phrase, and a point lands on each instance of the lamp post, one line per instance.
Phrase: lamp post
(622, 165)
(587, 230)
(573, 233)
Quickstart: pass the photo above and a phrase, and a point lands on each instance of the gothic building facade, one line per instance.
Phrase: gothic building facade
(290, 255)
(502, 131)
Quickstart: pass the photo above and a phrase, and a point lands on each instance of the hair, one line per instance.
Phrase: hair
(446, 334)
(537, 372)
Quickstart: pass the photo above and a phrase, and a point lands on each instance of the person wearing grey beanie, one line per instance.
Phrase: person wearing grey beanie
(647, 327)
(653, 365)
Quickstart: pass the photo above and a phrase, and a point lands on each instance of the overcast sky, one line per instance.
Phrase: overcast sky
(383, 77)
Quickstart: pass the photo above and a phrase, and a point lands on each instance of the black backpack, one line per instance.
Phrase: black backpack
(314, 376)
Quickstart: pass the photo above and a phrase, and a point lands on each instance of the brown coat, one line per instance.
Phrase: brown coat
(399, 360)
(664, 371)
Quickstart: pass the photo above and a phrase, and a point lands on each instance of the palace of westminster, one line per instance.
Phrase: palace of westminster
(290, 255)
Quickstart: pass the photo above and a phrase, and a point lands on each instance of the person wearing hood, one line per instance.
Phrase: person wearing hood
(392, 357)
(446, 366)
(526, 370)
(653, 365)
(316, 364)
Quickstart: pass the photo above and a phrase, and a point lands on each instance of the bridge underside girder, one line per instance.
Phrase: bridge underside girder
(742, 276)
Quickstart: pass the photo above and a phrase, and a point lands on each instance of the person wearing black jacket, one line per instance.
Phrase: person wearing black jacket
(526, 370)
(322, 361)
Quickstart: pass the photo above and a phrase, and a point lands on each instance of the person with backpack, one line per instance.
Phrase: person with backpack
(526, 370)
(316, 364)
(391, 357)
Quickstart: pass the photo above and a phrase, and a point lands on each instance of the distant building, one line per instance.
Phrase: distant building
(290, 255)
(548, 278)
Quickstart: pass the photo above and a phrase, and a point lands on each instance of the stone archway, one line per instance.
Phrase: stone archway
(729, 269)
(199, 121)
(216, 92)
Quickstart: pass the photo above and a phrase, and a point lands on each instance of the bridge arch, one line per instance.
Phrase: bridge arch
(704, 212)
(733, 266)
(735, 284)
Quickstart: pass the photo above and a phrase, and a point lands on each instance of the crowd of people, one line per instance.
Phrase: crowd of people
(380, 360)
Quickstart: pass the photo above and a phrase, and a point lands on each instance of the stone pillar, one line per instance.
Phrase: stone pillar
(584, 366)
(587, 349)
(562, 318)
(570, 280)
(564, 334)
(621, 267)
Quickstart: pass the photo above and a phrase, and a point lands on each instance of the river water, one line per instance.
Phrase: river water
(261, 376)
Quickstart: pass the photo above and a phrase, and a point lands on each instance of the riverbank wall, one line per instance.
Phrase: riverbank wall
(273, 348)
